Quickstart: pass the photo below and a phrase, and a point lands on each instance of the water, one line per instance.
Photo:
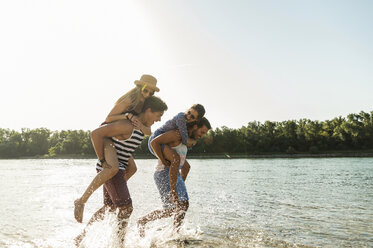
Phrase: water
(233, 203)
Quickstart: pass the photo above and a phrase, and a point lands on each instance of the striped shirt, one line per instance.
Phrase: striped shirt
(125, 148)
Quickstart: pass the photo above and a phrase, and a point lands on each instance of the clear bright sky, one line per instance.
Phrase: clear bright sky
(63, 64)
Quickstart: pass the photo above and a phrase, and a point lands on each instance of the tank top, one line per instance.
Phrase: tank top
(125, 148)
(181, 149)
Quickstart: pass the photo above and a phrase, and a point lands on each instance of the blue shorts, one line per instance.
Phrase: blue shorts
(162, 180)
(155, 134)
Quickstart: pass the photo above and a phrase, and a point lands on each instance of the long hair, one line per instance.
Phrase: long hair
(155, 104)
(133, 95)
(200, 110)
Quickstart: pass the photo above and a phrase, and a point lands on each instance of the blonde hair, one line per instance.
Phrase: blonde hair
(134, 95)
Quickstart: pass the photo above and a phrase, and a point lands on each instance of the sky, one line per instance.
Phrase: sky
(63, 64)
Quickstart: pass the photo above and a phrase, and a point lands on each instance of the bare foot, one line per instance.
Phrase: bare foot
(141, 227)
(78, 210)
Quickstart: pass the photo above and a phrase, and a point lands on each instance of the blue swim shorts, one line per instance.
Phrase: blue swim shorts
(156, 134)
(162, 180)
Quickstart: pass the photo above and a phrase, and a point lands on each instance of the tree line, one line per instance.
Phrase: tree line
(352, 133)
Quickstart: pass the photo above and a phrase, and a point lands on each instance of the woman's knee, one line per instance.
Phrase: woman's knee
(110, 151)
(111, 157)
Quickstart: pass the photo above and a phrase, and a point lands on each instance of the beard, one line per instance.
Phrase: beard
(193, 135)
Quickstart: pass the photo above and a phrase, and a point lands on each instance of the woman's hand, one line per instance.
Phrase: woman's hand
(191, 142)
(137, 123)
(167, 163)
(105, 165)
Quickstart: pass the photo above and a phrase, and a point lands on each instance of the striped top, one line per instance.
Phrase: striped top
(125, 148)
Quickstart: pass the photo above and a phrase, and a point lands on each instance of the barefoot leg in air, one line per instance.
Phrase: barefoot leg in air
(108, 172)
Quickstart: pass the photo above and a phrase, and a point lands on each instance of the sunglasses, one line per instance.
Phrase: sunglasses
(151, 93)
(191, 116)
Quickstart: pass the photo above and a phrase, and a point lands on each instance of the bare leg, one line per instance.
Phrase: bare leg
(155, 215)
(123, 217)
(99, 215)
(101, 178)
(180, 214)
(172, 156)
(131, 169)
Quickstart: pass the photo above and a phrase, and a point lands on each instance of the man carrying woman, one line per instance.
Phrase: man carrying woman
(178, 206)
(125, 108)
(126, 138)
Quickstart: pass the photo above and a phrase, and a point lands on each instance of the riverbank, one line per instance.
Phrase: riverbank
(255, 156)
(300, 155)
(339, 154)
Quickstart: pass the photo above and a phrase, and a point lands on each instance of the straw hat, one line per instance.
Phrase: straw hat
(149, 81)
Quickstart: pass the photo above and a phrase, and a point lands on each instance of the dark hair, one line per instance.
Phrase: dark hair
(203, 122)
(155, 104)
(200, 110)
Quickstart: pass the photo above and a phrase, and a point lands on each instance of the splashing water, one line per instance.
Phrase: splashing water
(233, 203)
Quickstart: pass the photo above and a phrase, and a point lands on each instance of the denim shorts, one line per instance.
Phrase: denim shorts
(156, 134)
(162, 180)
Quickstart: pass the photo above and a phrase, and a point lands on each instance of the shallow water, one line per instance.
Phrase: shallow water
(233, 203)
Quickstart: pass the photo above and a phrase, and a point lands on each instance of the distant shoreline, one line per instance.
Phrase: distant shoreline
(346, 154)
(251, 156)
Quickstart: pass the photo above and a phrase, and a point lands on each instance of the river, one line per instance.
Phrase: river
(317, 202)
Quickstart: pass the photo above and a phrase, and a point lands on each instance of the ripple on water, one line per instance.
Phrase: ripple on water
(234, 203)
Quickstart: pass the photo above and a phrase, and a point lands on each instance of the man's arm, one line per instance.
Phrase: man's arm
(130, 169)
(181, 125)
(163, 139)
(122, 127)
(138, 125)
(185, 170)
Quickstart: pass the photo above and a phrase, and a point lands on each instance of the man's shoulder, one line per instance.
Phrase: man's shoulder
(124, 129)
(123, 122)
(124, 125)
